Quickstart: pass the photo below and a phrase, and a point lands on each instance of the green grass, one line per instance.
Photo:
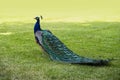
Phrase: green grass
(22, 59)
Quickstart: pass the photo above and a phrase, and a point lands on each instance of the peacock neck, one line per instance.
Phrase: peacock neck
(37, 26)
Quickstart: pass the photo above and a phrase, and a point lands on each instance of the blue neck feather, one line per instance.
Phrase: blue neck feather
(37, 26)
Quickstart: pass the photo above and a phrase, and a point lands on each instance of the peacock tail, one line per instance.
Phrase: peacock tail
(60, 52)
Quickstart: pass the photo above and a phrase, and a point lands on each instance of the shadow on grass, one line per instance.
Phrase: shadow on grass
(4, 73)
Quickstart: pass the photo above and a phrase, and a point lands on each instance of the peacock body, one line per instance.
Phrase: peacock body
(57, 50)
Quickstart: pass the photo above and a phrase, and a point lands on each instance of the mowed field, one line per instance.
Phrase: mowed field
(22, 59)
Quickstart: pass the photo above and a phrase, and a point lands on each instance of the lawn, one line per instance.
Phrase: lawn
(22, 59)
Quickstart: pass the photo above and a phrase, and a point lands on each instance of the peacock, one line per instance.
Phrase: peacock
(57, 50)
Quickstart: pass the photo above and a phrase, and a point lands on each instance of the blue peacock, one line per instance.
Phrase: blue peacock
(57, 50)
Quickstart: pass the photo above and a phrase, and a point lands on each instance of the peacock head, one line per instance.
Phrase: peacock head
(37, 18)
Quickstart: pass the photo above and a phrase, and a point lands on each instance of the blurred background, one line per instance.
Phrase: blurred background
(60, 10)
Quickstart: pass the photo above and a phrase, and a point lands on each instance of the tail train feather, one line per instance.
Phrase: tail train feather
(59, 52)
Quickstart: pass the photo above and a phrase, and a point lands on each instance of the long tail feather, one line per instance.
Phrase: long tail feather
(59, 52)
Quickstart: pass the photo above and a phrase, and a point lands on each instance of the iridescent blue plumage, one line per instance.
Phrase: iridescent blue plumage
(37, 25)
